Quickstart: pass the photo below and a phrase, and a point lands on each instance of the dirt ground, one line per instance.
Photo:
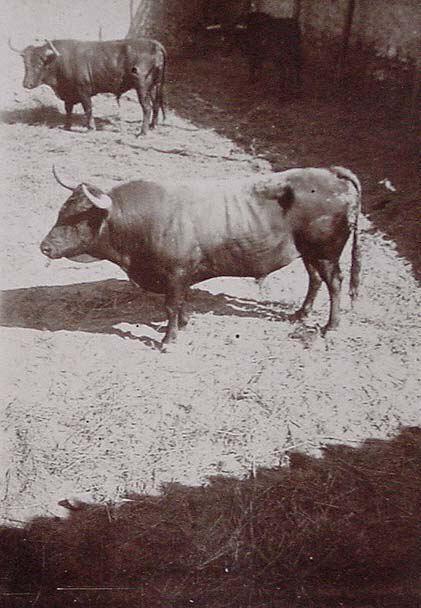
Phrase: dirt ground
(91, 408)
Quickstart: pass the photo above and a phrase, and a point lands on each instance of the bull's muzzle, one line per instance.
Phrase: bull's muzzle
(29, 84)
(48, 250)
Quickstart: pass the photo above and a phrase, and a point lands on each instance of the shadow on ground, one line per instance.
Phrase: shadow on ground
(342, 530)
(98, 306)
(50, 117)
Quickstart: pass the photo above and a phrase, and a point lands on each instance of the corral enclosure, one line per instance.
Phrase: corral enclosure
(91, 407)
(372, 46)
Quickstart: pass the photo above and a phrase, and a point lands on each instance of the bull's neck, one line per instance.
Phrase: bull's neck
(51, 79)
(106, 249)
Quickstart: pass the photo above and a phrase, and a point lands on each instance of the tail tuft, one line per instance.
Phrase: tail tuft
(354, 281)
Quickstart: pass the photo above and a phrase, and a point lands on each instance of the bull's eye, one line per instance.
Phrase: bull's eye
(91, 217)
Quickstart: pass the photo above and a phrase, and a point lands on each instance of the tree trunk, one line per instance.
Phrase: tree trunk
(166, 20)
(172, 21)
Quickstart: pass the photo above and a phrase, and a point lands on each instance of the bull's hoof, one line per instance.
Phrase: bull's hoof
(305, 334)
(168, 347)
(169, 340)
(296, 316)
(328, 329)
(182, 322)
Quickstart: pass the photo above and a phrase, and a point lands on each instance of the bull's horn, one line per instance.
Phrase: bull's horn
(216, 26)
(62, 183)
(53, 48)
(102, 202)
(12, 48)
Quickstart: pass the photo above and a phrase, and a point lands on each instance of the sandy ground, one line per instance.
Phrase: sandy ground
(92, 408)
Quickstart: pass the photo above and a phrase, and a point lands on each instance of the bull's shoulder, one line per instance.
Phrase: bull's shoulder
(134, 191)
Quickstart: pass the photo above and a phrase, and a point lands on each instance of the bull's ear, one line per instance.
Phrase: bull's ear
(271, 186)
(276, 188)
(103, 201)
(49, 56)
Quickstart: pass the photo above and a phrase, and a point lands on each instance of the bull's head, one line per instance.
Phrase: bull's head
(78, 225)
(37, 61)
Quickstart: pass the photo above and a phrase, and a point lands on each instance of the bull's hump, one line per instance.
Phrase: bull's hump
(185, 194)
(140, 197)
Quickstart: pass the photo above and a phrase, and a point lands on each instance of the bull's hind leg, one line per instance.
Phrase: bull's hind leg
(313, 287)
(155, 106)
(331, 274)
(121, 125)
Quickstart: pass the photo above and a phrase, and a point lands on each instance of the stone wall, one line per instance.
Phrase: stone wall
(392, 27)
(383, 46)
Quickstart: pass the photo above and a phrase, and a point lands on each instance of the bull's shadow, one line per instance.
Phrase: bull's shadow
(50, 117)
(100, 306)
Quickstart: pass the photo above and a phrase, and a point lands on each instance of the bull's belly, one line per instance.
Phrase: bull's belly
(157, 273)
(235, 259)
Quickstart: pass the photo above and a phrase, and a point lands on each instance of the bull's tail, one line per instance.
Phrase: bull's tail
(354, 281)
(160, 91)
(353, 216)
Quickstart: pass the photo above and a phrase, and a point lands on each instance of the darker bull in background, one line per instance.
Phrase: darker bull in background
(262, 40)
(79, 70)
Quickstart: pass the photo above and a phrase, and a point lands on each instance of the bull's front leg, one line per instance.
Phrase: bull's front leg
(182, 318)
(174, 305)
(146, 104)
(68, 106)
(87, 107)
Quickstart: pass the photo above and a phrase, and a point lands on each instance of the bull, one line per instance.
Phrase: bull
(79, 70)
(263, 39)
(168, 236)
